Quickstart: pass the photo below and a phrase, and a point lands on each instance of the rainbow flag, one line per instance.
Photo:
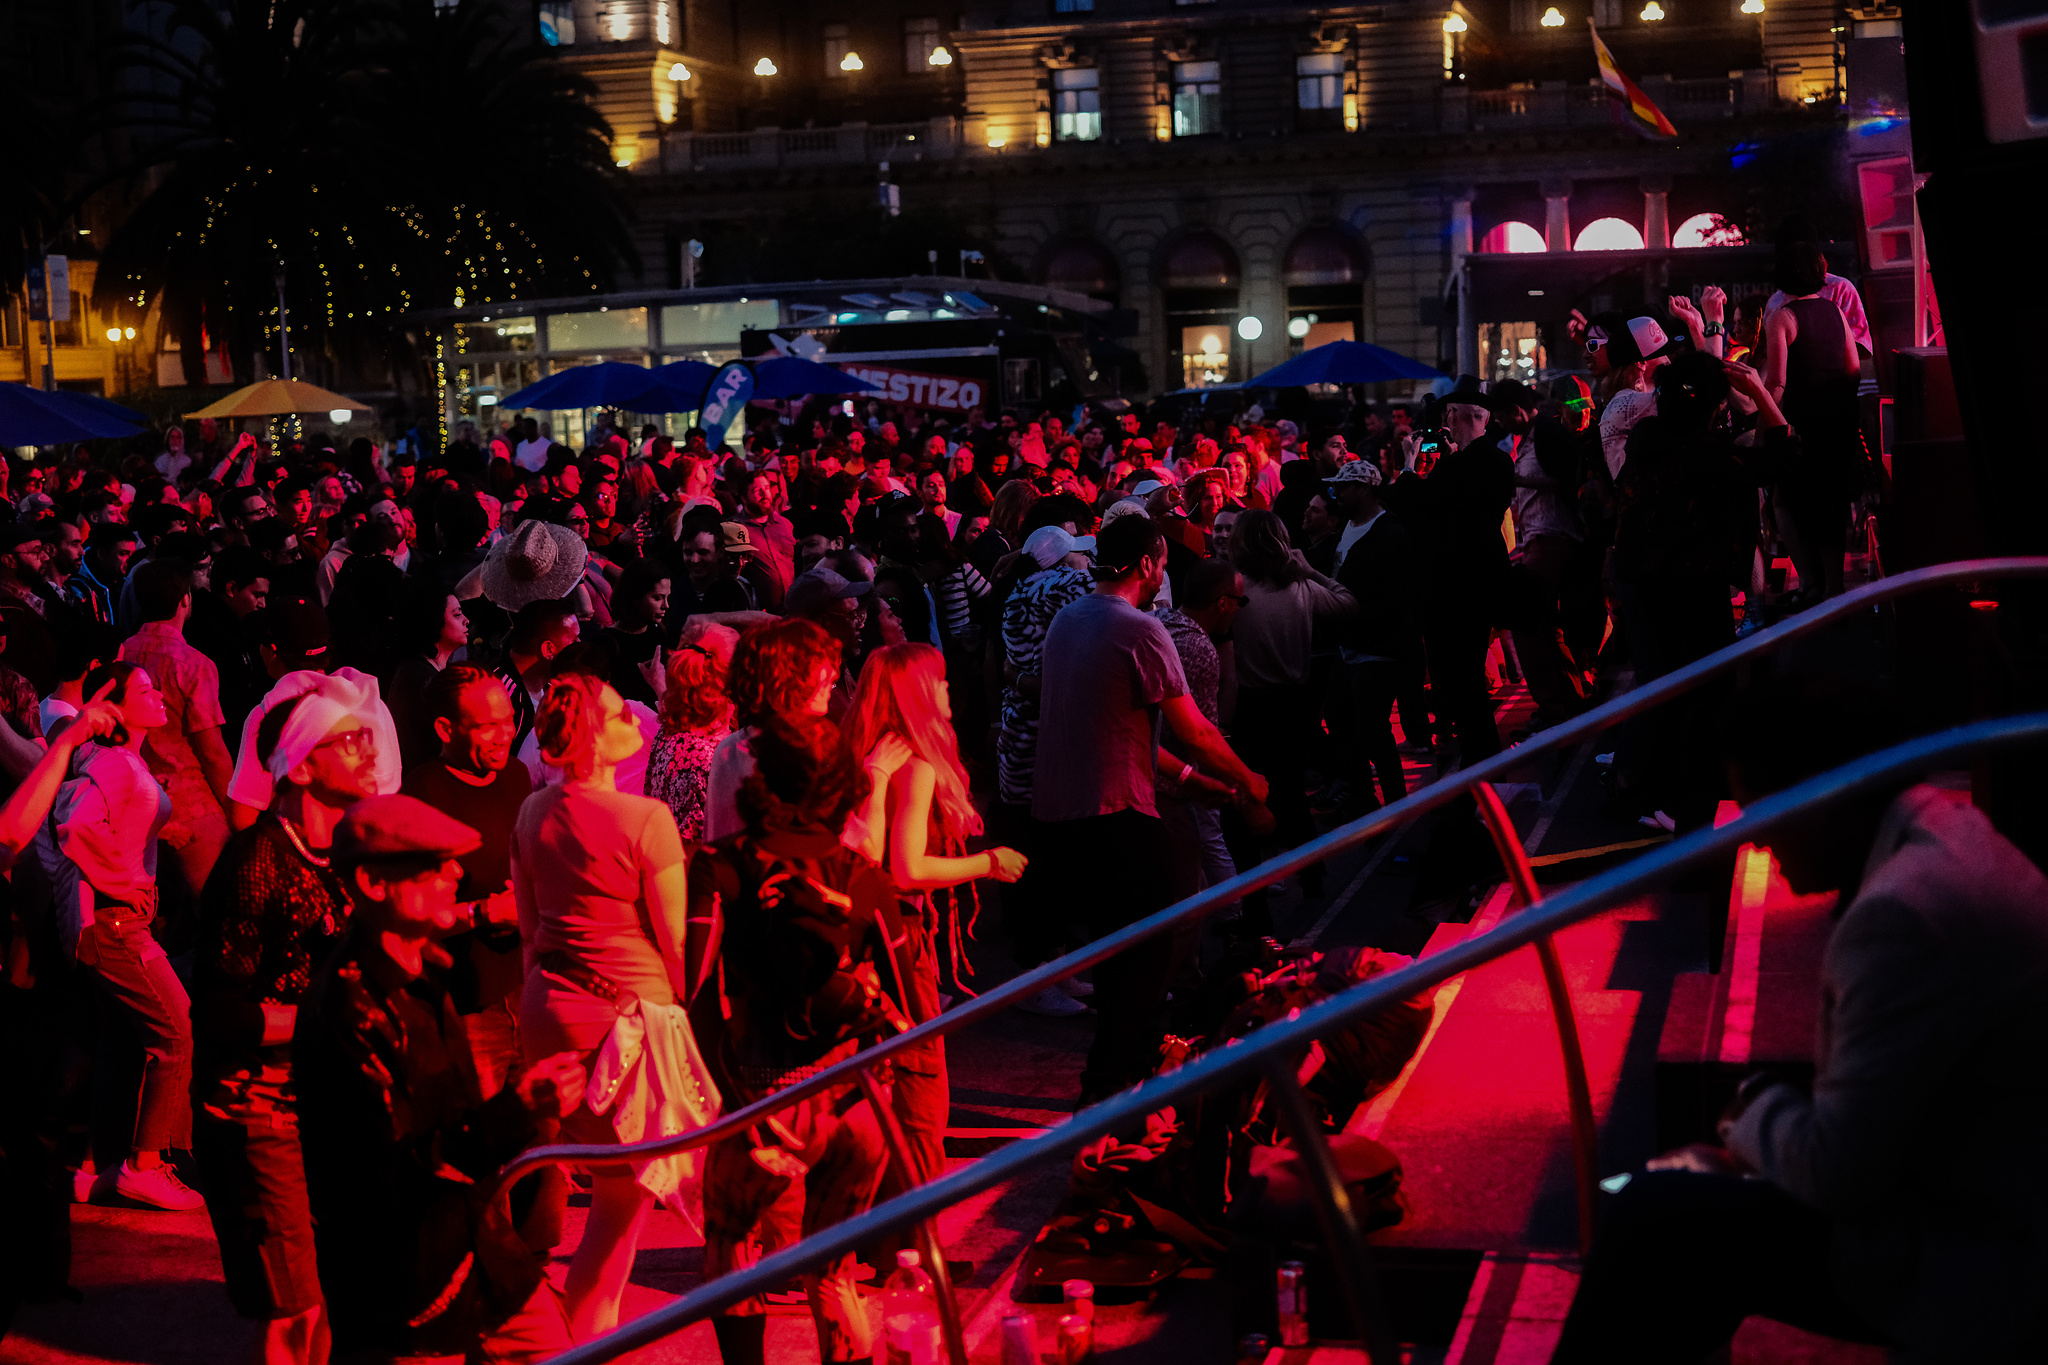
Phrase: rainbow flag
(1645, 117)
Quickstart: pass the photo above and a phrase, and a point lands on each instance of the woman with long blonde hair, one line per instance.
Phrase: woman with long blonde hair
(612, 959)
(928, 818)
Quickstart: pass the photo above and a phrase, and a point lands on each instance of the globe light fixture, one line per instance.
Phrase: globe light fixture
(1212, 344)
(1652, 12)
(1752, 6)
(851, 62)
(1552, 19)
(1250, 328)
(679, 72)
(764, 67)
(340, 416)
(1454, 24)
(1297, 328)
(113, 334)
(128, 334)
(939, 57)
(996, 142)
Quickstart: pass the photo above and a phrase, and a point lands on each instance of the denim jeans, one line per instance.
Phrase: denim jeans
(131, 968)
(248, 1153)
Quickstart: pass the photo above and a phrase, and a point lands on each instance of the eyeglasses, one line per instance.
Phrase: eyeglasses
(353, 744)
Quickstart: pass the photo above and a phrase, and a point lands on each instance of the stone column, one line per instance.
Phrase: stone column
(1557, 214)
(1656, 211)
(1461, 277)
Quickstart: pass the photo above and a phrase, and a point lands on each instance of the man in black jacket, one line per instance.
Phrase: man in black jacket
(1454, 509)
(401, 1148)
(1381, 650)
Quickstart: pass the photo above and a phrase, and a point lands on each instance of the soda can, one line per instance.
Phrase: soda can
(1020, 1340)
(1076, 1340)
(1293, 1303)
(1080, 1299)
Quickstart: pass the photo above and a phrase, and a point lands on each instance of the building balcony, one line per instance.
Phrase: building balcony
(1450, 110)
(848, 144)
(1558, 105)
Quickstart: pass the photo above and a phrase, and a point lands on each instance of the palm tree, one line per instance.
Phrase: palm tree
(312, 136)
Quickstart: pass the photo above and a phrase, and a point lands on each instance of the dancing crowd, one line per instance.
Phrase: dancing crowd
(379, 811)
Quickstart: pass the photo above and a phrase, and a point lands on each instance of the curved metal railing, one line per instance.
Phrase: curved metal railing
(855, 1070)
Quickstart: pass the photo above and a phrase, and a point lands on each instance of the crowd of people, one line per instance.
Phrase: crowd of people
(378, 812)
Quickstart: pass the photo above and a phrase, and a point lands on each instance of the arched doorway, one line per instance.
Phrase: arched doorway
(1324, 274)
(1081, 265)
(1199, 278)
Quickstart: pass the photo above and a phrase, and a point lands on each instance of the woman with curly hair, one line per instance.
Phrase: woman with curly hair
(695, 716)
(612, 961)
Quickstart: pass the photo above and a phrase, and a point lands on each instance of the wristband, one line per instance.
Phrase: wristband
(1186, 773)
(1712, 329)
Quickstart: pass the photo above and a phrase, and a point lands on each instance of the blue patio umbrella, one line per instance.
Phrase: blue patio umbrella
(35, 417)
(791, 376)
(1343, 362)
(611, 384)
(682, 384)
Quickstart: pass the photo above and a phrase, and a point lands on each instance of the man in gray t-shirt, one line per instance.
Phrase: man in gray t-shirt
(1110, 677)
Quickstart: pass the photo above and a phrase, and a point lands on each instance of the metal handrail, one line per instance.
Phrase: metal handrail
(1208, 901)
(1262, 1053)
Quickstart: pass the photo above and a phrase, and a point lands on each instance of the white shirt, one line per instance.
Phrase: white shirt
(1354, 532)
(1624, 410)
(1541, 511)
(171, 465)
(330, 567)
(532, 456)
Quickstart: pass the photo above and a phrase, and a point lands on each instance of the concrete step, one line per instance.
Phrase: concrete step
(1761, 1009)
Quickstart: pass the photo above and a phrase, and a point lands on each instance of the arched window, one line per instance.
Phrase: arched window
(1609, 234)
(1324, 273)
(1707, 229)
(1081, 266)
(1199, 277)
(1518, 238)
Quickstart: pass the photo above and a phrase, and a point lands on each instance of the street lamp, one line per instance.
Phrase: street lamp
(1652, 12)
(678, 72)
(1752, 6)
(1251, 329)
(1297, 327)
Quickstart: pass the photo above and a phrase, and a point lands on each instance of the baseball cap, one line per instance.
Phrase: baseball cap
(1356, 471)
(1048, 545)
(1627, 341)
(817, 588)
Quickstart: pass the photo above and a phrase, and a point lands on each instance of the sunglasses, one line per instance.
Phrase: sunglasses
(1594, 341)
(1576, 403)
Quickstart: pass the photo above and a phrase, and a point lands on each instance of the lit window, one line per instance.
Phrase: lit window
(1608, 234)
(1513, 237)
(1077, 104)
(920, 40)
(557, 23)
(1197, 98)
(1707, 229)
(1073, 6)
(1319, 80)
(837, 45)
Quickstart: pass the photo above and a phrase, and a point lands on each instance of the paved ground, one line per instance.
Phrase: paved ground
(152, 1281)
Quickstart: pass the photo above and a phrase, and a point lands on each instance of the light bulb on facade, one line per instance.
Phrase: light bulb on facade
(113, 334)
(1250, 328)
(1652, 12)
(340, 416)
(1454, 24)
(1297, 328)
(851, 62)
(1752, 6)
(764, 67)
(1212, 344)
(679, 72)
(1551, 18)
(939, 57)
(128, 334)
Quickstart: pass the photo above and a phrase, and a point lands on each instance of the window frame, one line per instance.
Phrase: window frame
(839, 37)
(1060, 115)
(1330, 82)
(1204, 94)
(924, 41)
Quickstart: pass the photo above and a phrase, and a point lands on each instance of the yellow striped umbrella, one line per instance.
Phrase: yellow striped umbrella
(278, 398)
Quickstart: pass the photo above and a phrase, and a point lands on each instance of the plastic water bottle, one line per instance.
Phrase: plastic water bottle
(910, 1314)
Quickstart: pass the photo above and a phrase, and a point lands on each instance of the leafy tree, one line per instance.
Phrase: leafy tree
(317, 136)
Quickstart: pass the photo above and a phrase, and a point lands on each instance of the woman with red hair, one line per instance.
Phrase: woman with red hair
(928, 818)
(612, 960)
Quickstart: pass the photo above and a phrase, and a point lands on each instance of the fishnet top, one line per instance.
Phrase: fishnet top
(267, 918)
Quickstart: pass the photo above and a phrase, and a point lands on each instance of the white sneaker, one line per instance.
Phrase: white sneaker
(85, 1180)
(158, 1187)
(1053, 1003)
(1077, 988)
(1658, 820)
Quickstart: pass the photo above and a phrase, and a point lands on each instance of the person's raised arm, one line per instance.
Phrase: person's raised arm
(1714, 309)
(911, 866)
(1206, 743)
(30, 804)
(1683, 308)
